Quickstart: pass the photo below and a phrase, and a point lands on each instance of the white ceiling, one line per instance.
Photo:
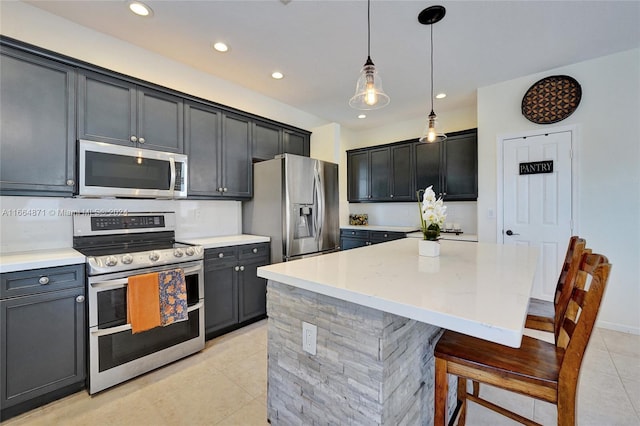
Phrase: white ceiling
(320, 46)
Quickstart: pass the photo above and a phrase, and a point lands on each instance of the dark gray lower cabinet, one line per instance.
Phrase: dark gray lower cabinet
(353, 238)
(233, 294)
(42, 337)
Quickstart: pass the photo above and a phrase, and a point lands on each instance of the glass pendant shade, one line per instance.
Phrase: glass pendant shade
(369, 94)
(430, 133)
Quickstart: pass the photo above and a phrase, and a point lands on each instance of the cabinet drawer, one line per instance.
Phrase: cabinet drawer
(254, 251)
(220, 255)
(43, 280)
(354, 233)
(382, 236)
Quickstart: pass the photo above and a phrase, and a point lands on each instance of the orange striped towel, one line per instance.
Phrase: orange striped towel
(143, 302)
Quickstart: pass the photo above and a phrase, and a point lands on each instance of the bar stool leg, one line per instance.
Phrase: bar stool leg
(462, 400)
(441, 391)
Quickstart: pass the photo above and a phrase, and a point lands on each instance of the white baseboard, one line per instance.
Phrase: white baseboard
(618, 327)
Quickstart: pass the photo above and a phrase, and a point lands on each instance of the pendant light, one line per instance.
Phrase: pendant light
(430, 16)
(369, 94)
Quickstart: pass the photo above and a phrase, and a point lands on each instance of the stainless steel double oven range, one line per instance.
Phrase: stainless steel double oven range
(118, 247)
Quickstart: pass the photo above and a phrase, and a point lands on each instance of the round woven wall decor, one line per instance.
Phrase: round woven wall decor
(551, 99)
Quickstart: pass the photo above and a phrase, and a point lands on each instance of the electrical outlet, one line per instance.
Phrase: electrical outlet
(309, 337)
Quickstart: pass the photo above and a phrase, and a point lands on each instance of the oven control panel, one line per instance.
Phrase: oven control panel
(110, 223)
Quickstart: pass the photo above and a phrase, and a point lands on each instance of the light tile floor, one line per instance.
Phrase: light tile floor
(225, 384)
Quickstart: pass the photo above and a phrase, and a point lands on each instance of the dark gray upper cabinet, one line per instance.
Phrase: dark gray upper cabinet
(394, 172)
(270, 140)
(218, 145)
(358, 176)
(37, 129)
(450, 166)
(296, 143)
(402, 170)
(116, 111)
(267, 140)
(237, 172)
(428, 166)
(202, 146)
(381, 173)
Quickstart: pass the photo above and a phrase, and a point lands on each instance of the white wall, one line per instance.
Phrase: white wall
(608, 161)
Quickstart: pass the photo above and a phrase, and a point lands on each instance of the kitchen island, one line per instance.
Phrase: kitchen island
(379, 311)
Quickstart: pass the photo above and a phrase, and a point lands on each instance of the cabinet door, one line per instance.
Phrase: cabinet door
(427, 157)
(220, 295)
(296, 143)
(160, 124)
(267, 141)
(253, 291)
(461, 168)
(379, 174)
(358, 176)
(402, 173)
(236, 156)
(42, 344)
(384, 236)
(37, 128)
(202, 136)
(106, 109)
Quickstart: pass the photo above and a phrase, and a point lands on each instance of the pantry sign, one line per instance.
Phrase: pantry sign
(536, 167)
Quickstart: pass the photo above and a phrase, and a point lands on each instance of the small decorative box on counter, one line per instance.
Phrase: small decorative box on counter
(358, 219)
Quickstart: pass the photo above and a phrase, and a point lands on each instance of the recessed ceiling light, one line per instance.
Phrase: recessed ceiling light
(277, 75)
(140, 9)
(221, 47)
(441, 95)
(362, 116)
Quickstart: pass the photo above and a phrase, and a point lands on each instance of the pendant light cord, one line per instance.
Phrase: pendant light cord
(431, 26)
(369, 28)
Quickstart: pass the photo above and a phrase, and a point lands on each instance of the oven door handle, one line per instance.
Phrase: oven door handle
(110, 283)
(121, 282)
(125, 327)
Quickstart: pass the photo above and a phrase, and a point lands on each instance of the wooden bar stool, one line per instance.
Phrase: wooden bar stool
(537, 369)
(542, 313)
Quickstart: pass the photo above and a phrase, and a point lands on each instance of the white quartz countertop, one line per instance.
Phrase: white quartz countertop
(447, 236)
(478, 289)
(382, 228)
(228, 240)
(20, 261)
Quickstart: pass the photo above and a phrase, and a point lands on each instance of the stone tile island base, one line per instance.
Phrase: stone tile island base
(370, 367)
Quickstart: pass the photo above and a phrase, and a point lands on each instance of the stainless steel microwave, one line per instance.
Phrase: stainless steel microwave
(107, 170)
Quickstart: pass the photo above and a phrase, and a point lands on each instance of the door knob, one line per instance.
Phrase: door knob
(510, 232)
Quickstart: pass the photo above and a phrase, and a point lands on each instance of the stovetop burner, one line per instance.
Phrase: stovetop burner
(116, 243)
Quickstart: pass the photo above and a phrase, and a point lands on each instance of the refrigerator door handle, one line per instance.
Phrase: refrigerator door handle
(319, 211)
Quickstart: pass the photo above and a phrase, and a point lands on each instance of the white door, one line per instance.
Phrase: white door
(537, 201)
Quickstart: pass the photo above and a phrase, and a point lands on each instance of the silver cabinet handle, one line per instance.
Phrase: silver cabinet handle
(44, 280)
(141, 140)
(220, 255)
(224, 189)
(386, 235)
(242, 268)
(80, 299)
(237, 268)
(391, 195)
(71, 182)
(255, 250)
(220, 189)
(133, 138)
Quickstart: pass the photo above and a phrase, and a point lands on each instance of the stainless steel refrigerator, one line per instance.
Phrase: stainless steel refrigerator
(295, 202)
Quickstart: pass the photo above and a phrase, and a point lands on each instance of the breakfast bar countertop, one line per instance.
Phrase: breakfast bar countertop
(478, 289)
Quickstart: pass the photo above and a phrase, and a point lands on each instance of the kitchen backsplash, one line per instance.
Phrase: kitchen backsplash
(407, 214)
(35, 223)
